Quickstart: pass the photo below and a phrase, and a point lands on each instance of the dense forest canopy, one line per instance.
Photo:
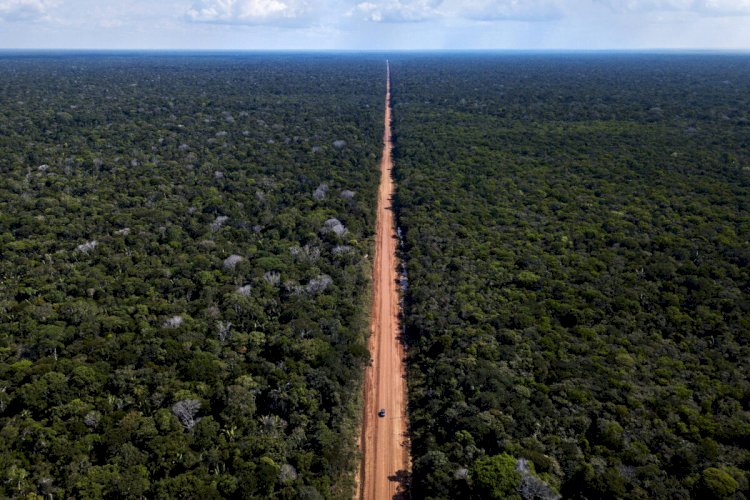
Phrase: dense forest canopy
(184, 273)
(183, 269)
(576, 242)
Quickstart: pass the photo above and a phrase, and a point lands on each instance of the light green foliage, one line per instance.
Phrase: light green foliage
(496, 477)
(718, 484)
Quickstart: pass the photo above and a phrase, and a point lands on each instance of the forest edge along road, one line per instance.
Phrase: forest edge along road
(385, 451)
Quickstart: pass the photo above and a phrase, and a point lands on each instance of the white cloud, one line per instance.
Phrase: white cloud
(722, 7)
(250, 11)
(399, 11)
(510, 10)
(646, 5)
(704, 7)
(22, 10)
(375, 24)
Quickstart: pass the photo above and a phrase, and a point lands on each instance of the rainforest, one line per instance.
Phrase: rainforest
(186, 273)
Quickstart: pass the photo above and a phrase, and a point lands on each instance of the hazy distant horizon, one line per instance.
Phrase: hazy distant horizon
(192, 51)
(353, 25)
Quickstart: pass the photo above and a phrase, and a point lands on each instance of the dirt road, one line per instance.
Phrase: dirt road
(385, 460)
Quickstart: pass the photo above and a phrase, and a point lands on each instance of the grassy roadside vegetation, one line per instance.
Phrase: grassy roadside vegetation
(576, 239)
(183, 304)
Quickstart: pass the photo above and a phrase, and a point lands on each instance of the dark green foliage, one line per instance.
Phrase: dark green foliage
(576, 236)
(152, 363)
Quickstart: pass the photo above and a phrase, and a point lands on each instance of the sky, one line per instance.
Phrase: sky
(375, 24)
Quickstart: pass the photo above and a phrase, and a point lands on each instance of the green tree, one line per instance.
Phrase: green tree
(496, 477)
(717, 484)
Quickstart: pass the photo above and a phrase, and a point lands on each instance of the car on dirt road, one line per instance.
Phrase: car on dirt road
(381, 413)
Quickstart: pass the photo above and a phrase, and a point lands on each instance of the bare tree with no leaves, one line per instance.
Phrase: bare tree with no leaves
(231, 262)
(320, 192)
(185, 411)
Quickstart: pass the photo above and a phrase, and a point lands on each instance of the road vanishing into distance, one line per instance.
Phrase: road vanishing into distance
(385, 462)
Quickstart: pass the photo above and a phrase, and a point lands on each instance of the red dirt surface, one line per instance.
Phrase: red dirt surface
(384, 440)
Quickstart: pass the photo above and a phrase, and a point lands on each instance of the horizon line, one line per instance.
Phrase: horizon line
(377, 51)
